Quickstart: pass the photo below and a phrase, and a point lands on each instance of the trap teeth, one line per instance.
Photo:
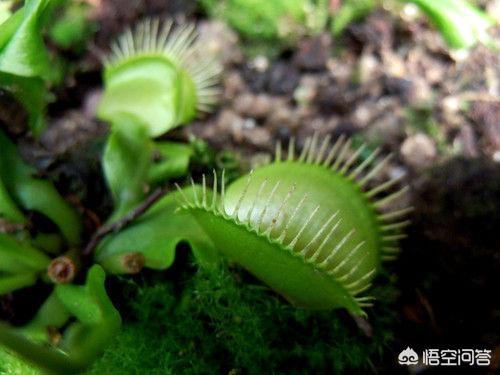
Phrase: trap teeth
(177, 46)
(305, 226)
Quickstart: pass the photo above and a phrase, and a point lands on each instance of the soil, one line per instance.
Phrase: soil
(388, 81)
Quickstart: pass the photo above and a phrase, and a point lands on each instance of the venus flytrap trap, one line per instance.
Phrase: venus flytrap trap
(159, 76)
(306, 226)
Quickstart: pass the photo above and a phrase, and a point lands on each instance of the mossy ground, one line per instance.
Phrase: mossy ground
(221, 322)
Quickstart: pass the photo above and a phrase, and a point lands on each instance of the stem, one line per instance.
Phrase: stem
(62, 270)
(9, 283)
(124, 221)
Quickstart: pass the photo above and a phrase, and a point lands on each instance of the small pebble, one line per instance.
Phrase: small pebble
(260, 63)
(418, 151)
(256, 106)
(233, 84)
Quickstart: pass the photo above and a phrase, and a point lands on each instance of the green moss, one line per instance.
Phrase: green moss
(221, 323)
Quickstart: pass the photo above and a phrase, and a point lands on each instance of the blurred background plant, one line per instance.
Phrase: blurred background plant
(460, 22)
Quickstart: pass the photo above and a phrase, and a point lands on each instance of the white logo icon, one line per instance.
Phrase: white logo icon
(408, 357)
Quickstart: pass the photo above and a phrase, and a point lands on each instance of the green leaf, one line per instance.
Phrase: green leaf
(35, 194)
(8, 208)
(157, 233)
(51, 314)
(31, 352)
(16, 256)
(461, 24)
(23, 52)
(11, 365)
(126, 162)
(32, 94)
(73, 28)
(98, 322)
(25, 65)
(10, 283)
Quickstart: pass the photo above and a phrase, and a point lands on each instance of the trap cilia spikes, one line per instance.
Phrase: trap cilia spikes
(159, 74)
(307, 226)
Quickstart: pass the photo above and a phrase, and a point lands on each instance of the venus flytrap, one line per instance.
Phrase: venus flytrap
(158, 75)
(156, 78)
(307, 226)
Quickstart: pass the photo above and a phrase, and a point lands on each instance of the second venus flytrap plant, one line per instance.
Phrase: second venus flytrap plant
(156, 77)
